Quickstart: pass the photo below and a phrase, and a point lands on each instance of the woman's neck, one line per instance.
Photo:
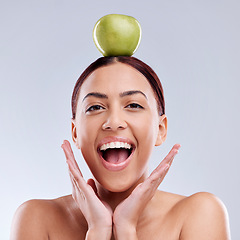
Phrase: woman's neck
(113, 199)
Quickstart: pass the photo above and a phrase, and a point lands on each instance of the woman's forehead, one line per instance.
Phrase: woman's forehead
(115, 78)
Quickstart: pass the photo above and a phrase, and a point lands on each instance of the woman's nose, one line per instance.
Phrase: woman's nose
(114, 121)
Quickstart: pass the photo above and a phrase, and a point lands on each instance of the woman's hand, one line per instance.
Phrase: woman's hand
(98, 214)
(126, 214)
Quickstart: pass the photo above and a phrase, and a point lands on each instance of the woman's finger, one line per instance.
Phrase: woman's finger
(75, 172)
(69, 154)
(157, 176)
(91, 183)
(76, 175)
(167, 161)
(77, 192)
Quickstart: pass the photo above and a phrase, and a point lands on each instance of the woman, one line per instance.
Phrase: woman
(118, 117)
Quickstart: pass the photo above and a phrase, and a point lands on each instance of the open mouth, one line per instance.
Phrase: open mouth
(115, 152)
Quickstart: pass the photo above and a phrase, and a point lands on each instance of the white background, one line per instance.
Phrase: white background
(192, 45)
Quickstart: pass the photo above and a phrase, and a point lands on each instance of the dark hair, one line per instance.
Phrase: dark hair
(142, 67)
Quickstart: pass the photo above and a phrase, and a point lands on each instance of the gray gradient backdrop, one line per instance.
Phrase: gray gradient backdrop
(192, 45)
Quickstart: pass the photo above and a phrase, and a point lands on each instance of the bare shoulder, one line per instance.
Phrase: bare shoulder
(35, 219)
(196, 217)
(205, 217)
(30, 220)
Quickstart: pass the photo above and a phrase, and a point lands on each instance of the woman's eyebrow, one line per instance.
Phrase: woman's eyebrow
(123, 94)
(95, 94)
(132, 92)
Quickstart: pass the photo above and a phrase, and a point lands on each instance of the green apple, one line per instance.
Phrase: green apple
(117, 35)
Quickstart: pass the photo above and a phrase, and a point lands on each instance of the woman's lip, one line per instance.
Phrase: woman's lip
(115, 139)
(116, 166)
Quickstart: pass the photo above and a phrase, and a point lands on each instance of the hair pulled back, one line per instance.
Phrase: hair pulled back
(142, 67)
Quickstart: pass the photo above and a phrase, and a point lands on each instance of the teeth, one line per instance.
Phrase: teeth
(115, 145)
(111, 145)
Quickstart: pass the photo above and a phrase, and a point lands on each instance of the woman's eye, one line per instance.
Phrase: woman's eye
(94, 108)
(134, 105)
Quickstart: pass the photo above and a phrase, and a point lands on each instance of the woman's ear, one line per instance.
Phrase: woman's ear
(74, 133)
(162, 130)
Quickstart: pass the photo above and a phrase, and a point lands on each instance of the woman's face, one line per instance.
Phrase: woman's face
(117, 125)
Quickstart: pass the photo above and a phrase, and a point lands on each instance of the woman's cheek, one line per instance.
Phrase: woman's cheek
(87, 128)
(146, 129)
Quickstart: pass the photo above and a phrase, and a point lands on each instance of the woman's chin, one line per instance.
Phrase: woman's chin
(118, 185)
(116, 188)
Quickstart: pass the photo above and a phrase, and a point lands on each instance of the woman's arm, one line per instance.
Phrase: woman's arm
(206, 218)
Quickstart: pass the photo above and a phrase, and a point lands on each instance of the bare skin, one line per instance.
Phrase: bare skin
(167, 216)
(120, 202)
